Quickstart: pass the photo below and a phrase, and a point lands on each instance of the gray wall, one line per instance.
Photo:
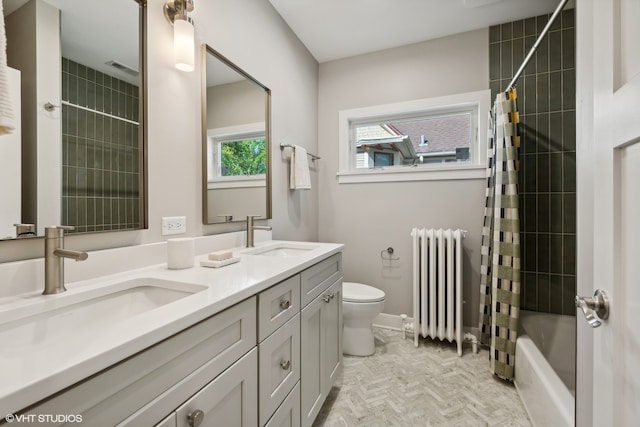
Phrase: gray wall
(547, 128)
(373, 216)
(266, 49)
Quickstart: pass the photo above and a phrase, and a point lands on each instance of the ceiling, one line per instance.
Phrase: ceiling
(333, 29)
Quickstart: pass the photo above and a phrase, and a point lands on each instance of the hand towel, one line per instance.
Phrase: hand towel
(7, 122)
(300, 178)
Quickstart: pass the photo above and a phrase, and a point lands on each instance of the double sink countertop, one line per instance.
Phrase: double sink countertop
(49, 342)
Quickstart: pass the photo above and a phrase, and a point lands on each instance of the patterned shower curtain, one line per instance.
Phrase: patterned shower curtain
(500, 270)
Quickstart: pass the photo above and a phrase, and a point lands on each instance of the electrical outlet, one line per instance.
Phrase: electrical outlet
(174, 225)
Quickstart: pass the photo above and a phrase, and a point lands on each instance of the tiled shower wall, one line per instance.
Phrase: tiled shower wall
(547, 176)
(100, 150)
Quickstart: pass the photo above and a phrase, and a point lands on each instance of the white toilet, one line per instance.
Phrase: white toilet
(360, 304)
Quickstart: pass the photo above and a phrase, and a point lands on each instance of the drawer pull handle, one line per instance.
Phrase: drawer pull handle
(326, 298)
(285, 365)
(331, 296)
(285, 304)
(195, 418)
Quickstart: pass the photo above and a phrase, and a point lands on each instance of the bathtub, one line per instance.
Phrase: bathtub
(545, 367)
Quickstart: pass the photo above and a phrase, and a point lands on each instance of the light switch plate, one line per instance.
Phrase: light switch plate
(174, 225)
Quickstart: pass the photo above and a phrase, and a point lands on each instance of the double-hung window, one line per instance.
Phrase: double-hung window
(435, 138)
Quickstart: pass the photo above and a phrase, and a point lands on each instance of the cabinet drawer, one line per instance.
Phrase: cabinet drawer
(229, 400)
(279, 367)
(277, 305)
(134, 391)
(288, 414)
(319, 277)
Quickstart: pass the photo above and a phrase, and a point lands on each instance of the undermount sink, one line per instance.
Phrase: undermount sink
(283, 250)
(50, 320)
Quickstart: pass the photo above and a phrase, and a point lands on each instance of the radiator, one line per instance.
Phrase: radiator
(437, 285)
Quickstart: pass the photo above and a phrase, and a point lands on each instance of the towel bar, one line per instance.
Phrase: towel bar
(313, 156)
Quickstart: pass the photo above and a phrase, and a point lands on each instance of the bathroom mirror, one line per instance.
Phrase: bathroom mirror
(81, 157)
(235, 142)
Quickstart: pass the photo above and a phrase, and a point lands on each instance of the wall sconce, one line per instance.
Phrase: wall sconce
(183, 33)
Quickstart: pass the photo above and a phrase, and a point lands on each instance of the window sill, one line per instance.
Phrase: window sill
(236, 182)
(442, 173)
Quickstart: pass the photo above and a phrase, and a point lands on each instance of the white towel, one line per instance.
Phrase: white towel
(300, 178)
(7, 122)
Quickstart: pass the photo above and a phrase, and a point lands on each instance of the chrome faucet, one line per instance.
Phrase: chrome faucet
(54, 254)
(251, 228)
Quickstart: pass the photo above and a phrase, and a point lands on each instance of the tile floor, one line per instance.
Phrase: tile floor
(401, 385)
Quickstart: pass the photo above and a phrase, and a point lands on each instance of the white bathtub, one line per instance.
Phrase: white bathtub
(545, 367)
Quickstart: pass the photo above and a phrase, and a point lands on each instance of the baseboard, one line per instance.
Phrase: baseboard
(394, 323)
(390, 321)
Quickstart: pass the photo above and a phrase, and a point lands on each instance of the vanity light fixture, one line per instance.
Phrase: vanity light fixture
(183, 33)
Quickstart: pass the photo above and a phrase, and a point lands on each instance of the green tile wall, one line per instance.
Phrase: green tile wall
(100, 153)
(547, 178)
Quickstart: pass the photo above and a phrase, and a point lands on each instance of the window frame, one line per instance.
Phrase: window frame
(478, 101)
(226, 134)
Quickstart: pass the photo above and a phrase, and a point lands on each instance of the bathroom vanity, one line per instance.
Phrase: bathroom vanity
(258, 342)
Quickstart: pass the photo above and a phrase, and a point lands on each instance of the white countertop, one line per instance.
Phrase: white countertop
(29, 374)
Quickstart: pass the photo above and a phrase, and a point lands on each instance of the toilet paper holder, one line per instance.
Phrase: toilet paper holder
(389, 251)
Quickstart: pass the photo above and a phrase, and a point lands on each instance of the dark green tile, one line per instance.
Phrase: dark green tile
(568, 18)
(122, 211)
(82, 92)
(72, 211)
(530, 177)
(542, 93)
(99, 211)
(542, 56)
(530, 27)
(506, 31)
(91, 125)
(494, 85)
(569, 254)
(555, 131)
(555, 91)
(91, 155)
(518, 52)
(82, 123)
(72, 94)
(543, 173)
(542, 127)
(530, 213)
(543, 212)
(569, 215)
(530, 262)
(91, 75)
(106, 211)
(99, 79)
(555, 50)
(107, 81)
(555, 293)
(73, 68)
(555, 254)
(569, 131)
(530, 100)
(506, 69)
(555, 215)
(555, 173)
(91, 211)
(568, 48)
(568, 295)
(530, 291)
(543, 292)
(65, 65)
(136, 160)
(99, 98)
(569, 172)
(544, 246)
(82, 183)
(569, 89)
(82, 71)
(518, 28)
(72, 181)
(81, 153)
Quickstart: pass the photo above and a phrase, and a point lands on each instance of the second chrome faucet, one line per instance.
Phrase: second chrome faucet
(251, 228)
(54, 255)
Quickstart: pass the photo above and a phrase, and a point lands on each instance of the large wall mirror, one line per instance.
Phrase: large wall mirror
(78, 157)
(236, 142)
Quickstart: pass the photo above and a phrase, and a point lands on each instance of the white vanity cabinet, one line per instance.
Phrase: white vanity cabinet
(142, 390)
(269, 360)
(321, 335)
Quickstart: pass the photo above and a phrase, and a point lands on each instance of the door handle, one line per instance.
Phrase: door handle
(595, 308)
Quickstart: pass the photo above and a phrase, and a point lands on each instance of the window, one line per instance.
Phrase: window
(436, 138)
(237, 156)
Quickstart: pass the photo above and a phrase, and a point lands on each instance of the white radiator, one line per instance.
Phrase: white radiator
(437, 284)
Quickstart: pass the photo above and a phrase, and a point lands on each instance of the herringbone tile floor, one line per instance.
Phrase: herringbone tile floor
(404, 386)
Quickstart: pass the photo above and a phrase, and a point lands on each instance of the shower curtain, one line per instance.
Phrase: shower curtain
(500, 270)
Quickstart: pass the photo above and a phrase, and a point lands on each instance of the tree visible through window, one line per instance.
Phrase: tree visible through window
(245, 157)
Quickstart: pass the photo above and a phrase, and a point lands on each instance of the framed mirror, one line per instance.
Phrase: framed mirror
(80, 157)
(236, 142)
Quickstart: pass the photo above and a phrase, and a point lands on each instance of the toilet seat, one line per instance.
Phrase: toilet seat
(358, 292)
